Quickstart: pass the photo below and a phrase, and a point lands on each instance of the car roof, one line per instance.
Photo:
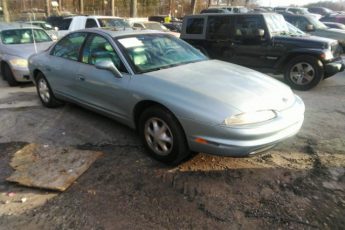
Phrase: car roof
(92, 16)
(228, 14)
(10, 26)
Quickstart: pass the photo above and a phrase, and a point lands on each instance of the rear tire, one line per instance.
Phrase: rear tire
(45, 93)
(7, 75)
(163, 136)
(303, 72)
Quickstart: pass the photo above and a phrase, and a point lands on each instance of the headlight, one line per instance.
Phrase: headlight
(19, 62)
(250, 118)
(327, 55)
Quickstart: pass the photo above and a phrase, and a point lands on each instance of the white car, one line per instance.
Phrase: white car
(73, 23)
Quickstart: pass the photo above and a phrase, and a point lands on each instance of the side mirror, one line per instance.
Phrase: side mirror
(309, 28)
(109, 65)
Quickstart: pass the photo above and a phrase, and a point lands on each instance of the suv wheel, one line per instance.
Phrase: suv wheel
(45, 93)
(303, 72)
(163, 136)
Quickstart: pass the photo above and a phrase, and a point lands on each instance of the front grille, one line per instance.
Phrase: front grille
(336, 49)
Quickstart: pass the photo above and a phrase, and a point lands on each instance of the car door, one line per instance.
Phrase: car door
(100, 88)
(248, 48)
(63, 63)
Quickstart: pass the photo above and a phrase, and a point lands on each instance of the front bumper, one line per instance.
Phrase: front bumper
(21, 74)
(334, 67)
(245, 140)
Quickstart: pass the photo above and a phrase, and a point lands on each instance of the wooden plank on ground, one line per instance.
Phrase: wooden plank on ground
(50, 167)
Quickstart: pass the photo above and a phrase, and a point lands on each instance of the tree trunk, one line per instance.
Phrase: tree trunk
(112, 7)
(133, 8)
(5, 10)
(81, 6)
(48, 2)
(193, 6)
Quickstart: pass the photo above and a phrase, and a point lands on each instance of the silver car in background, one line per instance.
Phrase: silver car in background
(17, 43)
(177, 99)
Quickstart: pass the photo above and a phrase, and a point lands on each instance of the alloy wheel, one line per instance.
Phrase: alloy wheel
(158, 136)
(43, 90)
(302, 73)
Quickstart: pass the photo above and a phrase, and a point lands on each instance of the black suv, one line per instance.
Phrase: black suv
(264, 41)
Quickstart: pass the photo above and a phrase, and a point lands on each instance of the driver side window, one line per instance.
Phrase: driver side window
(98, 49)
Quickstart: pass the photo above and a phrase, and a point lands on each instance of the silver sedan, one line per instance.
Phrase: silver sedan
(177, 99)
(17, 43)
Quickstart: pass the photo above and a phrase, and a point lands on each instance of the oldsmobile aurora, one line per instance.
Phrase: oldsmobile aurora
(177, 99)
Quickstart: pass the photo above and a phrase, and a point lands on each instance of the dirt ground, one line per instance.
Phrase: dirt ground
(300, 184)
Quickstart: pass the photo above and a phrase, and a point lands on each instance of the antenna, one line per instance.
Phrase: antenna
(33, 35)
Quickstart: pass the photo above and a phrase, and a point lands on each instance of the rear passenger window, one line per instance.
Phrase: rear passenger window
(195, 26)
(246, 26)
(69, 47)
(219, 27)
(64, 24)
(91, 23)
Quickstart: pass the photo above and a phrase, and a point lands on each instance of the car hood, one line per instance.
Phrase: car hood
(26, 50)
(305, 41)
(229, 84)
(336, 34)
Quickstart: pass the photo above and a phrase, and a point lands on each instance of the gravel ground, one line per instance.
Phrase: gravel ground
(298, 184)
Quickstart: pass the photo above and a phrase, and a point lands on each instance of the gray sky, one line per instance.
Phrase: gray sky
(285, 2)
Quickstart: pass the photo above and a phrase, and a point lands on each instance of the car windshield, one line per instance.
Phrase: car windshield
(46, 26)
(276, 23)
(299, 10)
(151, 52)
(316, 23)
(155, 26)
(294, 30)
(118, 23)
(24, 36)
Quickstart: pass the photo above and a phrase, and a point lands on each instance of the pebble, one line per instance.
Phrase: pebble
(23, 200)
(11, 194)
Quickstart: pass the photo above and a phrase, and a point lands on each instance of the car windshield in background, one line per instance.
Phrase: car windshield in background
(118, 23)
(151, 52)
(155, 26)
(317, 24)
(45, 26)
(276, 24)
(24, 36)
(299, 10)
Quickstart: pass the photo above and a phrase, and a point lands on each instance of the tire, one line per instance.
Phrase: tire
(45, 93)
(7, 74)
(173, 138)
(303, 72)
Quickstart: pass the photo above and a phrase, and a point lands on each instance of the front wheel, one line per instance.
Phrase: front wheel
(45, 93)
(304, 72)
(163, 136)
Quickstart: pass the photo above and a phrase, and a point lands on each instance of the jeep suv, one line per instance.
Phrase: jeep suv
(264, 41)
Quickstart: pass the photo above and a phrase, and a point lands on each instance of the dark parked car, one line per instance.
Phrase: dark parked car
(161, 18)
(264, 41)
(320, 10)
(315, 27)
(174, 27)
(214, 10)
